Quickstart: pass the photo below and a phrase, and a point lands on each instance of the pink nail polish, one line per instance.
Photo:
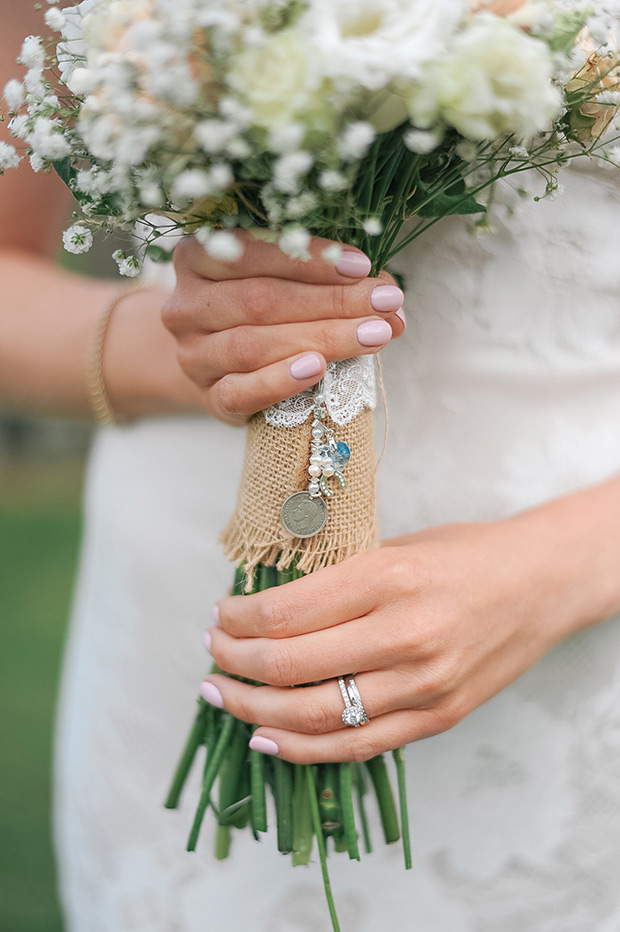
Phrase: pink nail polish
(206, 640)
(353, 264)
(216, 615)
(401, 316)
(212, 695)
(374, 333)
(386, 298)
(264, 745)
(306, 367)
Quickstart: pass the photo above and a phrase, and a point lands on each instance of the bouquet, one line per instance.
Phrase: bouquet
(362, 122)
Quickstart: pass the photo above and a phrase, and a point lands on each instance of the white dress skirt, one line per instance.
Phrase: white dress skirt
(504, 392)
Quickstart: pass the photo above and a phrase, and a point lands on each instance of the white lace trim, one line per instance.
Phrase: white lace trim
(349, 386)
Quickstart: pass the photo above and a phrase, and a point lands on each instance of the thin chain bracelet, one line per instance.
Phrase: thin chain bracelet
(95, 383)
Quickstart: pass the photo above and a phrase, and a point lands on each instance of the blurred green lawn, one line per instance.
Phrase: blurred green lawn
(39, 531)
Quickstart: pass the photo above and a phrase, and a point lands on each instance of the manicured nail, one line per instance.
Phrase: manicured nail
(306, 367)
(353, 264)
(206, 639)
(386, 298)
(401, 316)
(216, 615)
(212, 695)
(374, 333)
(264, 745)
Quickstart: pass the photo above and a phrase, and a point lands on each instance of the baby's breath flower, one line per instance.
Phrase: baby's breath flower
(332, 253)
(239, 148)
(287, 138)
(19, 125)
(294, 242)
(300, 206)
(332, 180)
(37, 164)
(214, 135)
(32, 54)
(127, 265)
(77, 239)
(355, 141)
(47, 139)
(14, 93)
(373, 226)
(224, 246)
(467, 150)
(9, 157)
(289, 170)
(55, 19)
(422, 140)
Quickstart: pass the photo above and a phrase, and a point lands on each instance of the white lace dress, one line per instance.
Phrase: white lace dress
(504, 392)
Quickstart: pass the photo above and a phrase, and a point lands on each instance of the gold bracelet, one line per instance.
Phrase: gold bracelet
(97, 394)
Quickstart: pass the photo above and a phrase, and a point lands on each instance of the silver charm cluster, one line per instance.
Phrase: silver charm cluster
(325, 457)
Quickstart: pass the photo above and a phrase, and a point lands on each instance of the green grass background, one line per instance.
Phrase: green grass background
(39, 533)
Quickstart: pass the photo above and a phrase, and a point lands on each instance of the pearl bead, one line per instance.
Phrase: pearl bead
(315, 459)
(314, 470)
(328, 471)
(327, 461)
(317, 433)
(313, 487)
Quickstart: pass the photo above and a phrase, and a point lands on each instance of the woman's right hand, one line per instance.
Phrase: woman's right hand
(258, 330)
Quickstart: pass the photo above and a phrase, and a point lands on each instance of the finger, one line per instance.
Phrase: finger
(260, 257)
(307, 709)
(213, 306)
(363, 644)
(317, 601)
(237, 396)
(393, 730)
(247, 349)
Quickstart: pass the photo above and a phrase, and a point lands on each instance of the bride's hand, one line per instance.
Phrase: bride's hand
(432, 624)
(258, 330)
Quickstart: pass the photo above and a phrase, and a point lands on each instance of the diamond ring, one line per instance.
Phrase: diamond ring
(354, 713)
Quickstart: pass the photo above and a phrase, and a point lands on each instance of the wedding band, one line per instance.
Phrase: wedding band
(354, 713)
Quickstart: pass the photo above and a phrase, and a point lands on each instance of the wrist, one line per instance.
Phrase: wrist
(573, 544)
(140, 368)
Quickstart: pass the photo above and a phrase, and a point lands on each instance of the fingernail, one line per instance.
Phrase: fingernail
(206, 639)
(386, 298)
(212, 695)
(306, 367)
(401, 316)
(353, 264)
(216, 615)
(374, 333)
(264, 745)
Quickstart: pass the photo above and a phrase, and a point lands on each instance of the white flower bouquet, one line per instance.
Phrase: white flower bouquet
(362, 121)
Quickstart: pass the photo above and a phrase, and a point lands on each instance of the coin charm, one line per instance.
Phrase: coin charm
(303, 514)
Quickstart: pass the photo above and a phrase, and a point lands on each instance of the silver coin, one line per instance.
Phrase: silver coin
(304, 515)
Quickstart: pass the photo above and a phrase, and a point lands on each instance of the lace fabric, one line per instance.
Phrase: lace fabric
(349, 387)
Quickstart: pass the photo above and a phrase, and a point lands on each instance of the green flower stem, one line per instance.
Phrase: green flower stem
(257, 784)
(316, 821)
(222, 842)
(329, 804)
(346, 808)
(360, 787)
(231, 772)
(211, 771)
(283, 795)
(381, 782)
(399, 759)
(303, 833)
(195, 738)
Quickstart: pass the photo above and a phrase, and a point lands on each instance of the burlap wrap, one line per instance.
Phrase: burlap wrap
(276, 465)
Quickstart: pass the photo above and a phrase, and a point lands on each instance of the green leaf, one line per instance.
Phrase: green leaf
(158, 253)
(444, 202)
(568, 27)
(65, 170)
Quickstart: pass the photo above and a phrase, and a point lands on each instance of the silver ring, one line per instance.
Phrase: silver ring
(354, 713)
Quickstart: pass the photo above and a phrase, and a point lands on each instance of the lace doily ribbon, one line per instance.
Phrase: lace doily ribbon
(349, 387)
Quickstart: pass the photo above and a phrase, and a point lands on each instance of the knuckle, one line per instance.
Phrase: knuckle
(277, 667)
(451, 711)
(361, 748)
(173, 313)
(342, 306)
(227, 397)
(317, 719)
(276, 616)
(242, 351)
(258, 296)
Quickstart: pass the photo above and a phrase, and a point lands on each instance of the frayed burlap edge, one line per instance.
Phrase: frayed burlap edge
(275, 466)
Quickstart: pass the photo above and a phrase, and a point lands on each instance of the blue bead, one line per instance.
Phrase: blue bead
(341, 455)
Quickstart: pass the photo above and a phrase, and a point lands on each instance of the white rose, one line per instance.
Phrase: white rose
(278, 81)
(497, 81)
(370, 42)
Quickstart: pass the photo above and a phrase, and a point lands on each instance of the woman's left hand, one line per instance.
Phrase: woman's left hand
(432, 624)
